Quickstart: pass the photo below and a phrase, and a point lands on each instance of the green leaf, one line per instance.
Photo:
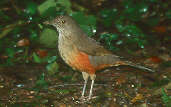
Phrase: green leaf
(84, 20)
(33, 35)
(31, 8)
(66, 78)
(52, 59)
(130, 30)
(134, 12)
(166, 99)
(66, 4)
(108, 16)
(36, 58)
(10, 52)
(141, 43)
(152, 21)
(42, 83)
(132, 33)
(91, 20)
(168, 14)
(134, 30)
(160, 83)
(87, 23)
(48, 38)
(47, 8)
(166, 64)
(63, 91)
(4, 16)
(52, 68)
(153, 1)
(142, 7)
(109, 38)
(16, 30)
(87, 29)
(127, 3)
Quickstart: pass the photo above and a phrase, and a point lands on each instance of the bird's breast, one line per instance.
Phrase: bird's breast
(65, 49)
(73, 57)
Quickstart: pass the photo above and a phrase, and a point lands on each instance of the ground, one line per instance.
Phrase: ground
(30, 85)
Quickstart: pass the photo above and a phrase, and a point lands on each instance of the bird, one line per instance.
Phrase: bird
(83, 53)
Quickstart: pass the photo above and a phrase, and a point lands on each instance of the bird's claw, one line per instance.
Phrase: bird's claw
(82, 98)
(86, 99)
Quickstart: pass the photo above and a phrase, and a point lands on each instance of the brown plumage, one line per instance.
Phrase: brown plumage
(83, 53)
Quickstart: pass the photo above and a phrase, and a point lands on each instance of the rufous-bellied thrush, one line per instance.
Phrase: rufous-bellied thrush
(82, 52)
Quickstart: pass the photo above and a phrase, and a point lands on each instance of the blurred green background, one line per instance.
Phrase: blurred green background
(119, 25)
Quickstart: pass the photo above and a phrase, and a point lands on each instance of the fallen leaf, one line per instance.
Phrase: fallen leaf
(23, 42)
(155, 59)
(121, 80)
(42, 53)
(4, 57)
(138, 97)
(165, 57)
(160, 29)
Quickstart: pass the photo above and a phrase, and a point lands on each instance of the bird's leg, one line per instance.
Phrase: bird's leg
(85, 83)
(85, 77)
(91, 89)
(93, 77)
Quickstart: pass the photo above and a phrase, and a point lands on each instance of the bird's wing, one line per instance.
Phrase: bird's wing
(91, 47)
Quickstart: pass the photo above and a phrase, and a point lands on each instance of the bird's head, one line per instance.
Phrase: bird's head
(63, 23)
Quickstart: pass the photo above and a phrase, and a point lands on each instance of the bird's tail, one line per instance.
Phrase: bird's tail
(138, 66)
(112, 60)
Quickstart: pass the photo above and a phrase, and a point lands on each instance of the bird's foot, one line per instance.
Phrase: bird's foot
(86, 99)
(83, 99)
(94, 97)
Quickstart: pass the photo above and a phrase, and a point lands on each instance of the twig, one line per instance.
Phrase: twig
(63, 85)
(5, 9)
(10, 27)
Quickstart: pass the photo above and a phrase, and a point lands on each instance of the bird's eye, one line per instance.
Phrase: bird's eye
(63, 21)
